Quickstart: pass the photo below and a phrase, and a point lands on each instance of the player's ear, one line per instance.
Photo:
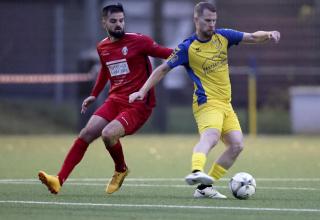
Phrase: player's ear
(104, 21)
(195, 19)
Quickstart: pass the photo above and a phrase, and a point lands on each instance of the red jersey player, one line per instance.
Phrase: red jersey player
(125, 63)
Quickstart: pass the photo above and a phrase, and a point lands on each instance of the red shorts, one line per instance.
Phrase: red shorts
(131, 116)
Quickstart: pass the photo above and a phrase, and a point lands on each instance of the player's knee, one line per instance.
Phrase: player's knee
(108, 138)
(88, 135)
(214, 142)
(210, 139)
(236, 148)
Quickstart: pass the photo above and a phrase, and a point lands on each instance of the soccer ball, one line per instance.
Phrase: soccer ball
(242, 185)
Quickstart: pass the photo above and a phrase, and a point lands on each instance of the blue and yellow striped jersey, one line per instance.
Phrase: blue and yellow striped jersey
(207, 64)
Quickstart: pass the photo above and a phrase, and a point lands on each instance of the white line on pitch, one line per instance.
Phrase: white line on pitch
(158, 185)
(168, 179)
(156, 206)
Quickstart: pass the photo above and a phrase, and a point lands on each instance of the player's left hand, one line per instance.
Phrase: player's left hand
(275, 36)
(88, 101)
(136, 96)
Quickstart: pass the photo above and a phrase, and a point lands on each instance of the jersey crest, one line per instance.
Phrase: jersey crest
(124, 50)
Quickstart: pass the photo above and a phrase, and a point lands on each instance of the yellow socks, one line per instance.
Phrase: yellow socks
(198, 161)
(217, 171)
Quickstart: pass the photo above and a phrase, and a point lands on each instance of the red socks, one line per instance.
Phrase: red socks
(74, 156)
(118, 157)
(77, 152)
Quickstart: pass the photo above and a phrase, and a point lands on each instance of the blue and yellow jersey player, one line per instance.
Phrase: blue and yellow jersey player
(205, 57)
(207, 65)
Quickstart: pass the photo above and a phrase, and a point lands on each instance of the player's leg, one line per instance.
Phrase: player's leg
(208, 139)
(209, 121)
(127, 122)
(87, 135)
(233, 139)
(112, 132)
(90, 132)
(110, 136)
(234, 145)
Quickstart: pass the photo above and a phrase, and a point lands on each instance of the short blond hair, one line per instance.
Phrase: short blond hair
(199, 8)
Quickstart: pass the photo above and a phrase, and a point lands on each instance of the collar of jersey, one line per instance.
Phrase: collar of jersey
(201, 41)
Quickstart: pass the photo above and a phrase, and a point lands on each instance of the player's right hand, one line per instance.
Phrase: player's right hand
(136, 96)
(275, 36)
(88, 101)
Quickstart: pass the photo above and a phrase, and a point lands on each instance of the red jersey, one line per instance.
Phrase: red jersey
(126, 64)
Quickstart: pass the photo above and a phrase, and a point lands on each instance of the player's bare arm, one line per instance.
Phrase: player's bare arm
(155, 77)
(261, 36)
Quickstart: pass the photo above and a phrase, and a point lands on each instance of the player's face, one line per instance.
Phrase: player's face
(206, 23)
(114, 24)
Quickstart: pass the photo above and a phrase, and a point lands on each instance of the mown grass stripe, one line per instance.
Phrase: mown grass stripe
(157, 206)
(160, 185)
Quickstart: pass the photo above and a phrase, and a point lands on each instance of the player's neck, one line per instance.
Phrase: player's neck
(202, 37)
(114, 39)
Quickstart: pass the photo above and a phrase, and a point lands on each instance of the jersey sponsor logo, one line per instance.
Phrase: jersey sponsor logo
(216, 62)
(124, 50)
(118, 67)
(174, 56)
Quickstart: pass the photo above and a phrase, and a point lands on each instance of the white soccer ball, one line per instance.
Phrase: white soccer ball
(242, 185)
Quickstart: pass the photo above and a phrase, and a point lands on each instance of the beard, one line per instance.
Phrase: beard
(117, 33)
(208, 33)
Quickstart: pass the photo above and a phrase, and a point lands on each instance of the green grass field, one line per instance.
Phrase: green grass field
(286, 169)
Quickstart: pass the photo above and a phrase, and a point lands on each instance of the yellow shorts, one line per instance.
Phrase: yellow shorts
(218, 115)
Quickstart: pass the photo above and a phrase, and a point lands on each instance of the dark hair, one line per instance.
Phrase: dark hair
(199, 8)
(109, 9)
